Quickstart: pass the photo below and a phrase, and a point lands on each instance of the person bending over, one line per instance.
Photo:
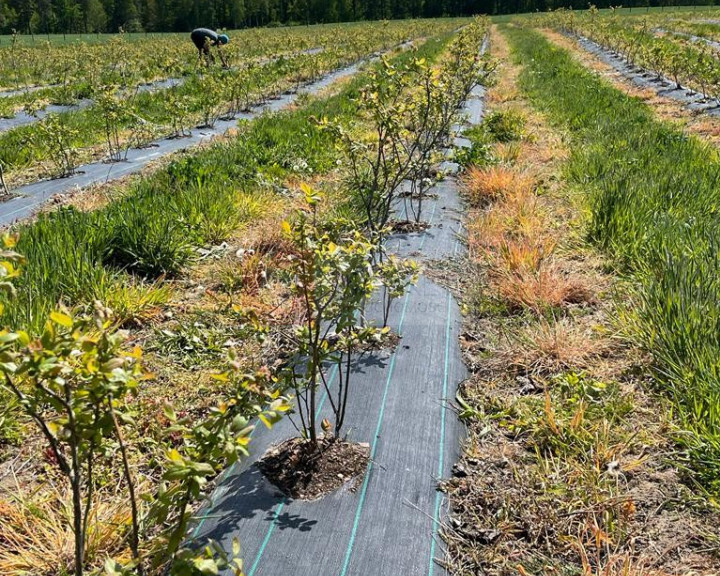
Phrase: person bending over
(205, 39)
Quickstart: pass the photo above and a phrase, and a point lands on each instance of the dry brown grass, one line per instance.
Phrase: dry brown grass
(504, 94)
(524, 254)
(600, 556)
(267, 238)
(549, 347)
(264, 250)
(545, 287)
(515, 219)
(485, 185)
(519, 217)
(36, 535)
(546, 151)
(517, 231)
(254, 270)
(509, 152)
(514, 237)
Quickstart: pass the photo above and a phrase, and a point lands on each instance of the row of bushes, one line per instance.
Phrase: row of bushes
(80, 387)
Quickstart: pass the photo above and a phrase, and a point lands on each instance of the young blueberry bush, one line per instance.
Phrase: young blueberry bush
(333, 277)
(410, 107)
(437, 103)
(74, 381)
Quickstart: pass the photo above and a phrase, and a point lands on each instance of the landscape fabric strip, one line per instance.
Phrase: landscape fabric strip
(266, 541)
(282, 504)
(21, 91)
(476, 117)
(441, 451)
(646, 79)
(692, 37)
(271, 528)
(366, 479)
(438, 496)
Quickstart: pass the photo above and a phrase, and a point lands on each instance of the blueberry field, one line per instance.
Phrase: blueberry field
(420, 297)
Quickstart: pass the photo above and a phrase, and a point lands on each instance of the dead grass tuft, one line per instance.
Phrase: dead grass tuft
(264, 249)
(599, 559)
(516, 243)
(36, 535)
(267, 238)
(549, 347)
(518, 219)
(508, 152)
(523, 254)
(540, 286)
(506, 94)
(514, 236)
(485, 185)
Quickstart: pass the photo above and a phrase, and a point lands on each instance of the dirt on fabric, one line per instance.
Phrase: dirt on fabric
(416, 195)
(408, 226)
(388, 342)
(303, 472)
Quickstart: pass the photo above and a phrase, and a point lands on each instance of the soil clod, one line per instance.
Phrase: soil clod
(408, 226)
(305, 472)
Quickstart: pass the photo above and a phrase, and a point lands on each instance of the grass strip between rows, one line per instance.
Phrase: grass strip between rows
(654, 195)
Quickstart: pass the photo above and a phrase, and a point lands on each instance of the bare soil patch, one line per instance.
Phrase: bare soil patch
(303, 472)
(388, 341)
(416, 195)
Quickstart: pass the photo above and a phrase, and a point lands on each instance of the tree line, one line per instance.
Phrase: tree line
(86, 16)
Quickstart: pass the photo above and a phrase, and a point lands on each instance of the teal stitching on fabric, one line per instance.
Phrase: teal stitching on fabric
(391, 369)
(271, 528)
(441, 458)
(363, 492)
(267, 537)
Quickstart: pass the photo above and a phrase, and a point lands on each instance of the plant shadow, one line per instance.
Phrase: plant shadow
(248, 495)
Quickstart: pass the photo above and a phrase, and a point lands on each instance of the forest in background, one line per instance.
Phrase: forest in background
(86, 16)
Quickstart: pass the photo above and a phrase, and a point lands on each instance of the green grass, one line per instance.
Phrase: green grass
(654, 195)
